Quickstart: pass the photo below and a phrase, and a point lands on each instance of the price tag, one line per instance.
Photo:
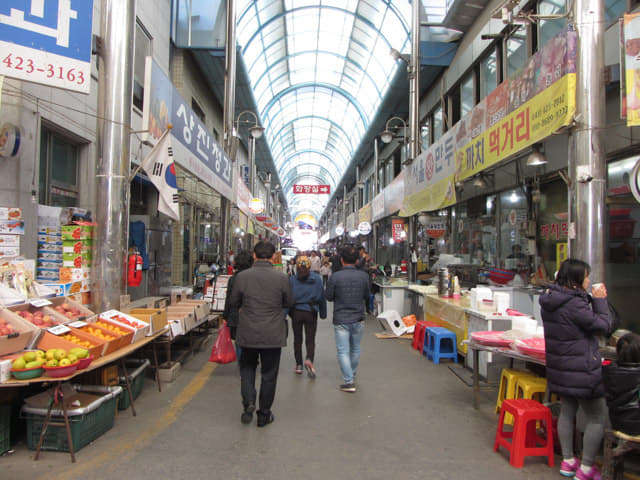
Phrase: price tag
(59, 330)
(78, 324)
(40, 302)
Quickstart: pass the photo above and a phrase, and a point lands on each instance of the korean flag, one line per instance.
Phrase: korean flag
(161, 170)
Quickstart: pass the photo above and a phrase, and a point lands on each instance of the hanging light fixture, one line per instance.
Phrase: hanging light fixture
(535, 158)
(480, 181)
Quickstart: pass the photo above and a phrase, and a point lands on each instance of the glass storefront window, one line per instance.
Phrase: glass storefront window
(58, 179)
(516, 50)
(437, 123)
(513, 228)
(553, 227)
(474, 225)
(466, 95)
(488, 74)
(549, 28)
(424, 133)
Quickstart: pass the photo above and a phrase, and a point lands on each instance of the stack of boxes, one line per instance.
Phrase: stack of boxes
(49, 245)
(218, 294)
(11, 227)
(77, 258)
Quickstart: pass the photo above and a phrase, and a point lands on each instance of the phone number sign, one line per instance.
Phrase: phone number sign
(47, 42)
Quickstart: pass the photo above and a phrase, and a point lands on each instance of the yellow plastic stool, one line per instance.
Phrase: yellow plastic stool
(532, 388)
(508, 380)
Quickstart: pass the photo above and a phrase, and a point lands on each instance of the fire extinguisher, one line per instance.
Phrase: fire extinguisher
(134, 270)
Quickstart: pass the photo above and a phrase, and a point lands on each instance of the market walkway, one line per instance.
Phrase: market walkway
(410, 419)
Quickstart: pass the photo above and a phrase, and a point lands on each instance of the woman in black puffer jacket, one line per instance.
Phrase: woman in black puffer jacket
(622, 385)
(572, 320)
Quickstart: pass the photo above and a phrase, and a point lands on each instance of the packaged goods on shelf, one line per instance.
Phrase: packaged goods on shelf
(10, 213)
(78, 231)
(12, 227)
(9, 240)
(63, 289)
(9, 252)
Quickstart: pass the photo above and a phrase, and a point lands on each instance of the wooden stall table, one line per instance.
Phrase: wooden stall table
(56, 392)
(476, 348)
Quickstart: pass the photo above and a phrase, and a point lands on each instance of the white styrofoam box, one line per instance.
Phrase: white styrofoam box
(392, 322)
(5, 370)
(524, 324)
(9, 240)
(501, 301)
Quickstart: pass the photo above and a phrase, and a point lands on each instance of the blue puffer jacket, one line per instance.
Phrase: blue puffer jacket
(349, 290)
(309, 294)
(572, 319)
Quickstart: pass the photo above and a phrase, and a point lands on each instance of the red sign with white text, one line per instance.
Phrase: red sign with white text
(397, 229)
(312, 189)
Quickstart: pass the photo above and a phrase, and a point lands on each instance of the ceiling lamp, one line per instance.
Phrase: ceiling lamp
(480, 181)
(535, 158)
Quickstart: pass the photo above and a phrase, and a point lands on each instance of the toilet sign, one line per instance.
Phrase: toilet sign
(47, 42)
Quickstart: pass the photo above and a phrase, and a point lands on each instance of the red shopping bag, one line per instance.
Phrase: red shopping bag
(223, 350)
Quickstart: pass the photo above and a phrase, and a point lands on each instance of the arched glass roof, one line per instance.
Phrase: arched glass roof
(319, 70)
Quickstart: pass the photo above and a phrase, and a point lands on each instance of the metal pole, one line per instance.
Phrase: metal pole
(252, 164)
(376, 164)
(414, 82)
(587, 160)
(229, 112)
(113, 166)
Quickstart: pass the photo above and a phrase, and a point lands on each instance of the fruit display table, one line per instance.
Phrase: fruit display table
(56, 393)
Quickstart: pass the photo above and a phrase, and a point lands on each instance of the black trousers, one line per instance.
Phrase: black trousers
(309, 322)
(269, 365)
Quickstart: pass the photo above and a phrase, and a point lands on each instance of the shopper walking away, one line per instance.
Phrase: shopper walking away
(336, 262)
(243, 260)
(325, 271)
(348, 288)
(572, 320)
(262, 294)
(308, 295)
(316, 262)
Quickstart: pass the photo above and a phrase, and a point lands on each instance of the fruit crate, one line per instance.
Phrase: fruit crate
(86, 423)
(5, 428)
(136, 379)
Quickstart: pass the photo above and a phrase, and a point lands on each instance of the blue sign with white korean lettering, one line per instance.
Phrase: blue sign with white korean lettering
(61, 27)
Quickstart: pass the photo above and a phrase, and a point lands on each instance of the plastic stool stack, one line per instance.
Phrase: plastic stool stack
(418, 334)
(524, 441)
(529, 387)
(508, 380)
(440, 343)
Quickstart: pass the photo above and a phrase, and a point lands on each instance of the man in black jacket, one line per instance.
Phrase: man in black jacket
(262, 294)
(348, 288)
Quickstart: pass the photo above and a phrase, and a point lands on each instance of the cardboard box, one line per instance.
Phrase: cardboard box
(10, 213)
(9, 240)
(155, 317)
(55, 317)
(74, 274)
(202, 308)
(50, 239)
(12, 227)
(126, 335)
(176, 327)
(9, 252)
(117, 317)
(85, 313)
(77, 246)
(25, 333)
(62, 289)
(49, 230)
(50, 247)
(218, 304)
(187, 316)
(49, 340)
(46, 265)
(112, 340)
(78, 231)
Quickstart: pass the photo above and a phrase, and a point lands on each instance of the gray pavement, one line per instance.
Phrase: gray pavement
(410, 419)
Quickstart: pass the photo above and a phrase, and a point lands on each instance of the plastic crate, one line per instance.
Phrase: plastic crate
(5, 428)
(86, 423)
(136, 379)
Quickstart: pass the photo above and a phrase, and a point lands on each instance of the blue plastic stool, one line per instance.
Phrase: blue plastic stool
(440, 343)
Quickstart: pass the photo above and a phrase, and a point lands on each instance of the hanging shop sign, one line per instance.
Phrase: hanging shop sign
(525, 109)
(268, 222)
(312, 189)
(631, 25)
(397, 230)
(242, 196)
(634, 181)
(48, 44)
(436, 228)
(353, 233)
(280, 232)
(195, 148)
(352, 222)
(377, 207)
(256, 205)
(364, 228)
(339, 230)
(365, 213)
(10, 140)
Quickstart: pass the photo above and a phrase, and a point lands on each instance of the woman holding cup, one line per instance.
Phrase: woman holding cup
(572, 322)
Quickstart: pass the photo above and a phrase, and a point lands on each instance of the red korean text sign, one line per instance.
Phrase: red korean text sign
(319, 189)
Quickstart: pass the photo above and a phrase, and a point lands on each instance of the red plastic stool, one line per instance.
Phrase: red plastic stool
(418, 333)
(523, 441)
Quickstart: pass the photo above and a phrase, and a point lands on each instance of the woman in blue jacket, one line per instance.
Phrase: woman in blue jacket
(308, 295)
(572, 321)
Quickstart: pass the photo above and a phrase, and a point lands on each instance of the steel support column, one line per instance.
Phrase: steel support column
(587, 160)
(113, 165)
(414, 114)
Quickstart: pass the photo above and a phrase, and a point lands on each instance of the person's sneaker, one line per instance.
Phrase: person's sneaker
(265, 419)
(568, 469)
(247, 415)
(310, 370)
(298, 369)
(594, 474)
(348, 387)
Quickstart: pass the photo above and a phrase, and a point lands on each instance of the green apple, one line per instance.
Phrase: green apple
(52, 363)
(60, 354)
(32, 364)
(29, 356)
(72, 358)
(64, 362)
(19, 364)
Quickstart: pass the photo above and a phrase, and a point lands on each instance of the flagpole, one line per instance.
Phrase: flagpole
(137, 169)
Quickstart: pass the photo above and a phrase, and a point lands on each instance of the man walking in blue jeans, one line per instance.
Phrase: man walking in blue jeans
(348, 289)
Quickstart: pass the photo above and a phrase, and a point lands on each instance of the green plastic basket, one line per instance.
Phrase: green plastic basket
(136, 379)
(5, 428)
(86, 424)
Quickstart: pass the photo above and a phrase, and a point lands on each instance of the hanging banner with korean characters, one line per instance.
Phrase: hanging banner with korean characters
(632, 67)
(534, 103)
(47, 42)
(242, 197)
(312, 189)
(429, 182)
(195, 148)
(377, 207)
(397, 230)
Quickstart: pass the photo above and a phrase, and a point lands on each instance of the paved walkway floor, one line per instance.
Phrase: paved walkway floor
(410, 419)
